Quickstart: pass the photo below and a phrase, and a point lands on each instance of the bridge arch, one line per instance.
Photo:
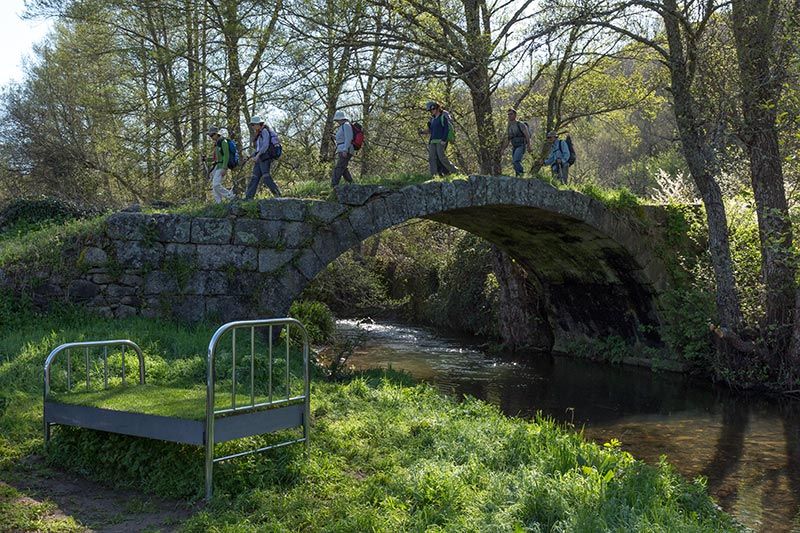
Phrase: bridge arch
(598, 269)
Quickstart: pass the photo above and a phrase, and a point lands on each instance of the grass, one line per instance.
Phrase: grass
(42, 247)
(386, 454)
(186, 403)
(19, 513)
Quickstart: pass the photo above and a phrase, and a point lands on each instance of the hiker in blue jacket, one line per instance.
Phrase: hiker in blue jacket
(439, 130)
(558, 160)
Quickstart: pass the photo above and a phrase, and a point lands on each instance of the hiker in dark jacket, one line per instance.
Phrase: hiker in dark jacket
(344, 149)
(439, 130)
(520, 140)
(268, 148)
(558, 160)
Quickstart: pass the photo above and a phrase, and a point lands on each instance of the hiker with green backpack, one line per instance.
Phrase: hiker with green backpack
(441, 132)
(223, 159)
(520, 139)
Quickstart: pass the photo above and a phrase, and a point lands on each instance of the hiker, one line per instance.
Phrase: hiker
(520, 139)
(222, 157)
(558, 158)
(344, 149)
(267, 149)
(439, 128)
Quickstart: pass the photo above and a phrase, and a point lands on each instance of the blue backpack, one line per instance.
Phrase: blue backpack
(233, 160)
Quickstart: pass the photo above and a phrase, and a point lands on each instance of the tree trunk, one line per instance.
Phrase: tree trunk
(700, 159)
(755, 24)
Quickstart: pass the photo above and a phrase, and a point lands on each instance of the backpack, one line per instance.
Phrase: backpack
(274, 150)
(525, 127)
(451, 131)
(233, 159)
(572, 156)
(358, 135)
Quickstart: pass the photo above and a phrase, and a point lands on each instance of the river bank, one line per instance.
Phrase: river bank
(746, 446)
(387, 455)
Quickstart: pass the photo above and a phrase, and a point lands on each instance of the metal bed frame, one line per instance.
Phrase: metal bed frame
(219, 425)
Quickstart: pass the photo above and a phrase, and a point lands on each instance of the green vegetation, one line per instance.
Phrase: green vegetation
(316, 317)
(387, 455)
(18, 513)
(43, 247)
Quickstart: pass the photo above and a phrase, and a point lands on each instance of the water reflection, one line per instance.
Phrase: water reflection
(748, 449)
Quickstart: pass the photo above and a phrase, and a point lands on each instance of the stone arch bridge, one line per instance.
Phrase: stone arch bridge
(600, 270)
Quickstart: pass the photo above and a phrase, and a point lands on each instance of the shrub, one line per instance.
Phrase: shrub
(316, 317)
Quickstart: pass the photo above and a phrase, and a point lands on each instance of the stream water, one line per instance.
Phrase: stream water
(748, 448)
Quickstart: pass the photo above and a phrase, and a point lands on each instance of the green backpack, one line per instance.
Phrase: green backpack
(451, 130)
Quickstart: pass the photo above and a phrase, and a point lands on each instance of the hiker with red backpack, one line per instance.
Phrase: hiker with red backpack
(224, 158)
(348, 139)
(267, 149)
(440, 129)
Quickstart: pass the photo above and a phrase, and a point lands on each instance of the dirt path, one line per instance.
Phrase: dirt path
(94, 506)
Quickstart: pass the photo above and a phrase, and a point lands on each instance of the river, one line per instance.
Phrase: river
(748, 448)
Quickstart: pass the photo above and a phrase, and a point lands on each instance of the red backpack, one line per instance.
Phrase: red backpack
(358, 135)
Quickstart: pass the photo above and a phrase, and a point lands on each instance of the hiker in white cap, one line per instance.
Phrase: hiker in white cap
(222, 157)
(268, 148)
(344, 149)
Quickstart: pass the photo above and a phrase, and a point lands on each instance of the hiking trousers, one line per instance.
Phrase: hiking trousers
(261, 170)
(561, 172)
(217, 190)
(340, 170)
(437, 160)
(518, 153)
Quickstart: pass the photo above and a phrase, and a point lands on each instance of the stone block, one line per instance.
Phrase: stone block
(290, 209)
(125, 311)
(82, 290)
(478, 184)
(396, 207)
(188, 309)
(115, 293)
(325, 211)
(296, 234)
(415, 201)
(456, 194)
(254, 232)
(133, 301)
(173, 228)
(135, 254)
(216, 257)
(226, 308)
(309, 264)
(159, 282)
(95, 257)
(186, 252)
(270, 260)
(351, 194)
(381, 217)
(101, 279)
(212, 230)
(362, 222)
(433, 196)
(105, 312)
(128, 226)
(131, 280)
(326, 245)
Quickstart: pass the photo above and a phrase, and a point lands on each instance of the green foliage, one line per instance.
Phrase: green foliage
(316, 317)
(621, 199)
(22, 215)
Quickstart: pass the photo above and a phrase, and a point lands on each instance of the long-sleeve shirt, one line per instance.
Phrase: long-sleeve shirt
(440, 128)
(344, 138)
(222, 154)
(263, 141)
(559, 151)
